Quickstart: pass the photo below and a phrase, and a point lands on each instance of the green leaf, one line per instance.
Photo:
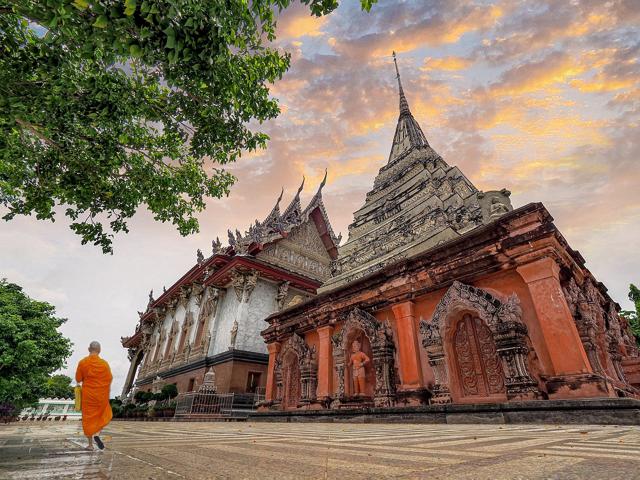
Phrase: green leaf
(130, 7)
(81, 4)
(135, 50)
(101, 22)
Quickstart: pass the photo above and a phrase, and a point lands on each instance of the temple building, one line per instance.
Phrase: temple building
(210, 319)
(446, 294)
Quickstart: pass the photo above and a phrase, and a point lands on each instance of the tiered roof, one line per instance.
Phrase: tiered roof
(417, 202)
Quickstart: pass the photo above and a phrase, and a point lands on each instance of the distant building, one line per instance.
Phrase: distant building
(212, 316)
(52, 409)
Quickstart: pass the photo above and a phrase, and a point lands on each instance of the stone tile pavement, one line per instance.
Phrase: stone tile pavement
(141, 450)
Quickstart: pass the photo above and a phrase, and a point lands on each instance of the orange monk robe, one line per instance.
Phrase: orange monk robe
(95, 375)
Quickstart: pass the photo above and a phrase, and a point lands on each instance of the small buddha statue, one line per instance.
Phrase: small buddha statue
(358, 361)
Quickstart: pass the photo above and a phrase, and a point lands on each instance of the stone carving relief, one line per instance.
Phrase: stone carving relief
(208, 308)
(281, 295)
(216, 246)
(243, 283)
(296, 373)
(381, 339)
(503, 320)
(234, 333)
(584, 316)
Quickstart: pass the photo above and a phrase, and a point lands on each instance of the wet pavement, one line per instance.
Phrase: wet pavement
(149, 450)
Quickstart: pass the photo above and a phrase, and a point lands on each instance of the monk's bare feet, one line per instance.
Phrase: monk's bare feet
(89, 448)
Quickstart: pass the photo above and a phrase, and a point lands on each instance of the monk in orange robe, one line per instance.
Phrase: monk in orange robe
(95, 375)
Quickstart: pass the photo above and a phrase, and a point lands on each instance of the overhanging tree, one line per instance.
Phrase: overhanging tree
(31, 347)
(107, 106)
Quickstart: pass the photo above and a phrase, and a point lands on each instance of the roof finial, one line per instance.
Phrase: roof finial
(301, 187)
(404, 105)
(324, 180)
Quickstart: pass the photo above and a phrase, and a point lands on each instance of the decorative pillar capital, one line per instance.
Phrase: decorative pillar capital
(404, 309)
(326, 331)
(539, 270)
(274, 348)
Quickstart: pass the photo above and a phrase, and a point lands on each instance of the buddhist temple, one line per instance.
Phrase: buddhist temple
(446, 294)
(210, 319)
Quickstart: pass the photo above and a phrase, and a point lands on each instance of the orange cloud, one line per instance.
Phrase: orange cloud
(450, 64)
(297, 21)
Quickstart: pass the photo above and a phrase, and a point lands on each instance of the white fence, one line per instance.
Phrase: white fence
(204, 404)
(223, 405)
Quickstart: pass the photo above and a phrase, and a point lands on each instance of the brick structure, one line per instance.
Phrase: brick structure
(453, 297)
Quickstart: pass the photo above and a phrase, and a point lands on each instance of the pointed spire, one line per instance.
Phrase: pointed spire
(318, 196)
(274, 215)
(404, 105)
(293, 211)
(408, 133)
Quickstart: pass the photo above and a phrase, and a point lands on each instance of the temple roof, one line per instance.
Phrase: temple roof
(417, 202)
(296, 246)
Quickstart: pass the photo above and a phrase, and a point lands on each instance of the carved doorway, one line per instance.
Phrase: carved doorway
(478, 366)
(291, 380)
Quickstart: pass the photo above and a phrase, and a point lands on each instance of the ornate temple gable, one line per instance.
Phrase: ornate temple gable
(302, 252)
(418, 201)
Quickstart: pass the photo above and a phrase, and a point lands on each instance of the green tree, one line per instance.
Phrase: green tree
(31, 347)
(170, 391)
(109, 106)
(634, 317)
(59, 386)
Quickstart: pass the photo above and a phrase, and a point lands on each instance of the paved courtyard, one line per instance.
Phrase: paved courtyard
(137, 450)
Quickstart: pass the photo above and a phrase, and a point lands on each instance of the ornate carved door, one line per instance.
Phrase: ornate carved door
(479, 367)
(291, 380)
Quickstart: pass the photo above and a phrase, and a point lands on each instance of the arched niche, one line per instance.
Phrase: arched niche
(492, 323)
(358, 335)
(380, 339)
(296, 373)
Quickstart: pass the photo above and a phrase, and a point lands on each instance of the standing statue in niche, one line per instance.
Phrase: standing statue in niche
(234, 333)
(357, 362)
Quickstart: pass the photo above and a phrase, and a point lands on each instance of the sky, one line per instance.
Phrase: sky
(541, 97)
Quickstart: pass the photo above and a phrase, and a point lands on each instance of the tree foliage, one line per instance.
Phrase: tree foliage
(170, 391)
(634, 317)
(59, 386)
(108, 106)
(31, 347)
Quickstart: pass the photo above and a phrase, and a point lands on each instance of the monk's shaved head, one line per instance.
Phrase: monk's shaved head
(94, 347)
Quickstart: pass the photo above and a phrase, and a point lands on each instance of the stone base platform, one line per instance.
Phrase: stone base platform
(605, 411)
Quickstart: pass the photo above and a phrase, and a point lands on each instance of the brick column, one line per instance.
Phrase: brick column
(408, 352)
(325, 362)
(274, 349)
(555, 321)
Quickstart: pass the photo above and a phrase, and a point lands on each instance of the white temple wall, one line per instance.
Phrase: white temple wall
(250, 317)
(223, 323)
(261, 304)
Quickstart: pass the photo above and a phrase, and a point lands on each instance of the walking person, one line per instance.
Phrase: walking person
(95, 375)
